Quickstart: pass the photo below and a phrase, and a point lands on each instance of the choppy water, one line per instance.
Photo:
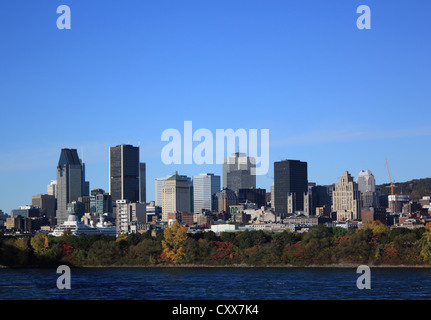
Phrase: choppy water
(216, 284)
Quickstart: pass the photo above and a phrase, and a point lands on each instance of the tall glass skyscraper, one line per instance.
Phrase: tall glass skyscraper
(126, 174)
(70, 182)
(205, 185)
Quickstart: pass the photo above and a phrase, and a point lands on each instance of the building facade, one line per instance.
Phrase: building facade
(346, 199)
(129, 216)
(224, 199)
(177, 196)
(290, 186)
(126, 174)
(367, 185)
(205, 185)
(254, 195)
(46, 202)
(70, 182)
(239, 172)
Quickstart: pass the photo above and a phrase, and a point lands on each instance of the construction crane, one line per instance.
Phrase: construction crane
(390, 179)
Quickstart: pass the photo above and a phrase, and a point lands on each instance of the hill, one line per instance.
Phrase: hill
(415, 188)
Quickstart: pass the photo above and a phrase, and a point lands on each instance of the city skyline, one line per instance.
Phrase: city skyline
(331, 95)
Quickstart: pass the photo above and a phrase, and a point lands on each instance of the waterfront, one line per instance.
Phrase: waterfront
(216, 284)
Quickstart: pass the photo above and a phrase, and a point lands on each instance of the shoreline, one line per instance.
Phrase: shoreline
(232, 266)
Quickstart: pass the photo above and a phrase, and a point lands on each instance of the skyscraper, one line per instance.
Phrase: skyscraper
(177, 196)
(367, 185)
(46, 202)
(158, 185)
(366, 181)
(290, 185)
(346, 198)
(239, 172)
(52, 188)
(126, 174)
(70, 182)
(205, 185)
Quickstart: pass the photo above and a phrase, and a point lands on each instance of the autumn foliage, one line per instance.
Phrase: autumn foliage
(375, 244)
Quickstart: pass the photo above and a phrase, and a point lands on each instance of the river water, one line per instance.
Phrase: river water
(216, 284)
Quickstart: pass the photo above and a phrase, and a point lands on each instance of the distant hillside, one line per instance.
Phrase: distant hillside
(415, 188)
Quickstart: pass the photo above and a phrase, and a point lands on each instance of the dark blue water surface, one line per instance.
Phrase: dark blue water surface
(216, 284)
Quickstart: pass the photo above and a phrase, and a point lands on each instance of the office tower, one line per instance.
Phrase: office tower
(100, 202)
(142, 182)
(366, 181)
(76, 208)
(205, 185)
(86, 200)
(126, 174)
(85, 184)
(290, 185)
(346, 198)
(177, 196)
(70, 182)
(223, 199)
(321, 197)
(51, 189)
(253, 195)
(239, 172)
(46, 202)
(158, 185)
(367, 185)
(272, 196)
(129, 216)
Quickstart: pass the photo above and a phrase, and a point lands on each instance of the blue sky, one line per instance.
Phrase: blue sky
(332, 95)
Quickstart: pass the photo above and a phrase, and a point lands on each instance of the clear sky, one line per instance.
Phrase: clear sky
(335, 96)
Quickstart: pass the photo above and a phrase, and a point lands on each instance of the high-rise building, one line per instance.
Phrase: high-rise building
(320, 197)
(272, 196)
(52, 188)
(290, 185)
(70, 182)
(346, 198)
(366, 181)
(367, 185)
(205, 185)
(253, 195)
(100, 202)
(177, 196)
(126, 174)
(158, 185)
(239, 172)
(46, 202)
(142, 182)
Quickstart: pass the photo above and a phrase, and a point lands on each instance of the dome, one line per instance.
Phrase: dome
(72, 217)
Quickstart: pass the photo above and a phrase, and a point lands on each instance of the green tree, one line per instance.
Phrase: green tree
(104, 253)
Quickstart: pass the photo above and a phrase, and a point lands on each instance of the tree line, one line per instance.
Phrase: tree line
(375, 244)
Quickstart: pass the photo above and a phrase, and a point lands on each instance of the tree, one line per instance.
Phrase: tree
(424, 244)
(377, 227)
(175, 236)
(104, 253)
(39, 243)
